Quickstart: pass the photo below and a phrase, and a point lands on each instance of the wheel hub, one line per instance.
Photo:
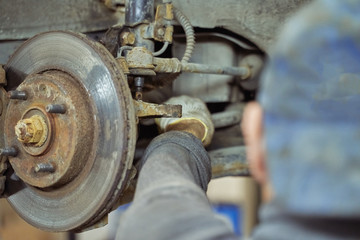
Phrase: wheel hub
(70, 131)
(52, 146)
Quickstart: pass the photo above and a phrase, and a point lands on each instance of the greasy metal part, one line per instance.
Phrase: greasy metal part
(140, 57)
(20, 95)
(231, 116)
(138, 15)
(143, 37)
(144, 109)
(32, 130)
(225, 119)
(9, 152)
(173, 65)
(123, 64)
(62, 139)
(255, 62)
(162, 26)
(229, 162)
(55, 108)
(114, 4)
(127, 38)
(139, 84)
(142, 72)
(90, 195)
(20, 19)
(138, 11)
(242, 71)
(44, 167)
(167, 65)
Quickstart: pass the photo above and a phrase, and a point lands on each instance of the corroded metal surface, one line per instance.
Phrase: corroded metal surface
(3, 159)
(167, 65)
(140, 57)
(111, 130)
(242, 71)
(144, 109)
(32, 130)
(229, 162)
(66, 143)
(162, 28)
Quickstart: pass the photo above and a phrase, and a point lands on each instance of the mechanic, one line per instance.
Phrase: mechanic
(306, 124)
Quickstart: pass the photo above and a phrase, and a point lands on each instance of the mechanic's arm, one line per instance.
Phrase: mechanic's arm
(170, 200)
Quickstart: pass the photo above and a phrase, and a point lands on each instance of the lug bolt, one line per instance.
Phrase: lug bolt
(20, 95)
(160, 32)
(44, 167)
(55, 108)
(127, 38)
(10, 152)
(139, 84)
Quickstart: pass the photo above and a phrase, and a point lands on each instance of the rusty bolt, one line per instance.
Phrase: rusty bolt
(11, 152)
(44, 167)
(20, 95)
(56, 108)
(127, 38)
(32, 130)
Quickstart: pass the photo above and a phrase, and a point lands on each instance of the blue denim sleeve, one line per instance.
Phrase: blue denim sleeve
(310, 93)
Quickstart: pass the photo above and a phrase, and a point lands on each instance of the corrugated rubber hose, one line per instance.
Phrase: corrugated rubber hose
(189, 33)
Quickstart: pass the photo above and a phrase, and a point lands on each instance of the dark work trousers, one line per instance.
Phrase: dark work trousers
(170, 200)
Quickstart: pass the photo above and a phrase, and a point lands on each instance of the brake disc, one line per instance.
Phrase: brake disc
(75, 131)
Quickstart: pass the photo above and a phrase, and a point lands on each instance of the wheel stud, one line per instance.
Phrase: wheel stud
(55, 108)
(20, 95)
(10, 152)
(44, 167)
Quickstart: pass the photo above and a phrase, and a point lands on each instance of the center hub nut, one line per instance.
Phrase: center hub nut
(50, 129)
(32, 130)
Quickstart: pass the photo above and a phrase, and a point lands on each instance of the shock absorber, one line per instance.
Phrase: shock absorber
(138, 15)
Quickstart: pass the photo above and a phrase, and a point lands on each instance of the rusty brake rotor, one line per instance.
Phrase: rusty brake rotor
(71, 120)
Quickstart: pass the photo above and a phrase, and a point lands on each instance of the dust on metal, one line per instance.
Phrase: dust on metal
(112, 138)
(44, 167)
(20, 95)
(229, 162)
(167, 65)
(242, 71)
(56, 108)
(127, 38)
(162, 27)
(144, 109)
(9, 152)
(32, 130)
(140, 57)
(41, 135)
